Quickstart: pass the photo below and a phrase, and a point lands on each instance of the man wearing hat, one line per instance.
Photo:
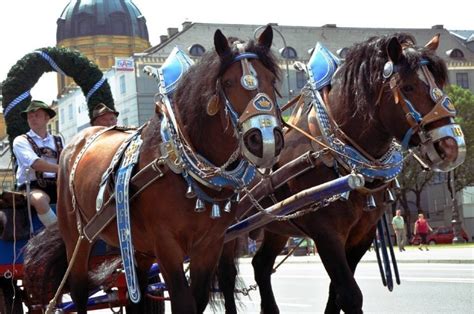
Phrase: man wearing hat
(103, 116)
(37, 153)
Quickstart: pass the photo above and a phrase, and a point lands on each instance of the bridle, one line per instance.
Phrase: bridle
(260, 113)
(443, 109)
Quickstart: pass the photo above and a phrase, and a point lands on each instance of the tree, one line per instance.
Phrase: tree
(463, 99)
(413, 179)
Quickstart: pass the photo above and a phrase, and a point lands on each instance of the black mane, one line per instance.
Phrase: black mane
(198, 85)
(361, 73)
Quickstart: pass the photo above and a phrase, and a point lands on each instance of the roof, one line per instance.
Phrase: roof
(101, 17)
(303, 38)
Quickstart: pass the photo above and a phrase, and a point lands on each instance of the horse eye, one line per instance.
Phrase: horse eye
(407, 88)
(227, 84)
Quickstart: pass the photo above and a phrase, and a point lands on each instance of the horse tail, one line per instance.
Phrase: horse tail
(106, 273)
(45, 263)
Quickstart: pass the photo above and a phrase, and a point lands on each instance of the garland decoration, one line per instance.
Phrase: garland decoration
(27, 71)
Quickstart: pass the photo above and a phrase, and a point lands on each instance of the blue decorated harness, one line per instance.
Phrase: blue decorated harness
(321, 67)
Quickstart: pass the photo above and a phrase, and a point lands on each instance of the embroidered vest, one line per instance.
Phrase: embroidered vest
(45, 152)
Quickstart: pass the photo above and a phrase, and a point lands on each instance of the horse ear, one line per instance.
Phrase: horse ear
(266, 37)
(220, 43)
(394, 50)
(433, 43)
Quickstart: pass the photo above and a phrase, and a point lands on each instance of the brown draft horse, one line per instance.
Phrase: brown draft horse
(164, 223)
(372, 114)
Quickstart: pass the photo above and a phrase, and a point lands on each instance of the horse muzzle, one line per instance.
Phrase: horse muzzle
(444, 148)
(262, 140)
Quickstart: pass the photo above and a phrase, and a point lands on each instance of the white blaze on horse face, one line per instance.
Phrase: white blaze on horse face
(422, 77)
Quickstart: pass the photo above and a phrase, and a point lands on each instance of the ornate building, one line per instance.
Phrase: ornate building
(101, 30)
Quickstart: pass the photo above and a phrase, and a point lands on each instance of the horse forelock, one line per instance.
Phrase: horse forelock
(198, 85)
(362, 71)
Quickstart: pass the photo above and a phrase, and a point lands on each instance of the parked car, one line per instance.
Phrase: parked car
(440, 235)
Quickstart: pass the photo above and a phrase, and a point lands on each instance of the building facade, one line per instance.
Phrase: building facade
(134, 92)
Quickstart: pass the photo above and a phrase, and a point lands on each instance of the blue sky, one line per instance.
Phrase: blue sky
(26, 25)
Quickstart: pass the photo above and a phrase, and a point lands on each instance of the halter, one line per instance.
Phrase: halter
(443, 108)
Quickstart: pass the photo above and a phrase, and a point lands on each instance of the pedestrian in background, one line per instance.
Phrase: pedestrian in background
(422, 228)
(398, 224)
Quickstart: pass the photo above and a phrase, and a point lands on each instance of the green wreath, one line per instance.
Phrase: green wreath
(27, 71)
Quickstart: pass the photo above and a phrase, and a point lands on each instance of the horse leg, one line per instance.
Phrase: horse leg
(226, 274)
(353, 255)
(263, 267)
(202, 269)
(171, 258)
(344, 293)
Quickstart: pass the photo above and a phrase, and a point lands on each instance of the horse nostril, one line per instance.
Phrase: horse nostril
(254, 142)
(279, 141)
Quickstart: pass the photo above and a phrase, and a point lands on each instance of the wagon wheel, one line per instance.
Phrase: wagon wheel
(151, 304)
(7, 305)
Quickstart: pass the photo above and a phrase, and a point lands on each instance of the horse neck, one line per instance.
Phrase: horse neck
(367, 133)
(210, 139)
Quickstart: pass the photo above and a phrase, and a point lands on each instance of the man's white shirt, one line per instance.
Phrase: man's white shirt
(26, 156)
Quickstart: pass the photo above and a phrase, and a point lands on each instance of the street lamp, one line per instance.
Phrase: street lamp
(283, 52)
(456, 222)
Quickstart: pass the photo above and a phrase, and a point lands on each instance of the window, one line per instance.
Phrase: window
(85, 27)
(69, 112)
(300, 79)
(462, 80)
(342, 53)
(123, 87)
(62, 116)
(125, 121)
(455, 53)
(196, 50)
(7, 185)
(288, 53)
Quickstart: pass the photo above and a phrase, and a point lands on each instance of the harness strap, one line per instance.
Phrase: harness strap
(139, 182)
(281, 176)
(124, 227)
(294, 118)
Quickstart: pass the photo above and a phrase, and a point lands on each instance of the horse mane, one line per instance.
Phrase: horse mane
(361, 73)
(198, 85)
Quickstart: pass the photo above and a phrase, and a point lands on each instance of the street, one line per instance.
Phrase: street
(425, 288)
(439, 281)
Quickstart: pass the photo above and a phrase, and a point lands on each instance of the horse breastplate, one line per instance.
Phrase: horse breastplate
(385, 168)
(189, 165)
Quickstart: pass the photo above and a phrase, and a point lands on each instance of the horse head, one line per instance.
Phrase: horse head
(242, 99)
(401, 85)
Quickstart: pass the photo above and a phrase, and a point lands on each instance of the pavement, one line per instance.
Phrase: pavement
(436, 254)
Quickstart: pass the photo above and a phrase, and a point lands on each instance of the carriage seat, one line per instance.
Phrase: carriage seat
(321, 67)
(173, 69)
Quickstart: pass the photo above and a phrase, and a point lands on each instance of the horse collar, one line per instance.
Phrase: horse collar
(385, 168)
(194, 167)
